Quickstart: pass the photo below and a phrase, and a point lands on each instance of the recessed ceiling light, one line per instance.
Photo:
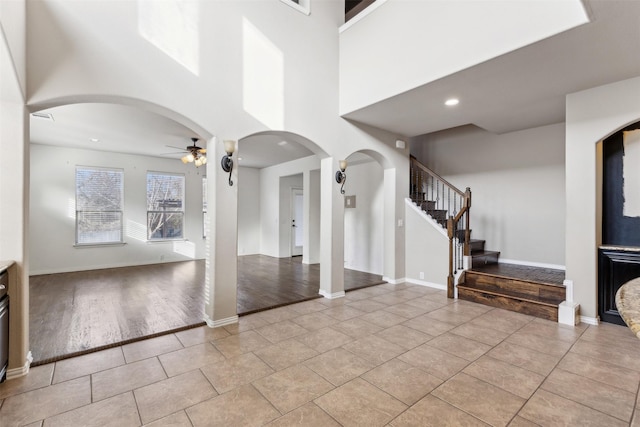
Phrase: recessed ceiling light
(451, 102)
(239, 158)
(281, 143)
(94, 140)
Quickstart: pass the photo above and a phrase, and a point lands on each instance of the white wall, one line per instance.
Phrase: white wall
(287, 183)
(517, 184)
(311, 251)
(363, 225)
(592, 115)
(52, 212)
(375, 64)
(12, 24)
(275, 204)
(427, 249)
(226, 96)
(248, 211)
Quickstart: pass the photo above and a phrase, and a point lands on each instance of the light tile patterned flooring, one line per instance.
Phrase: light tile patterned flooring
(398, 355)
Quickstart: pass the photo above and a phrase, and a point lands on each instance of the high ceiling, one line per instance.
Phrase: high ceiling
(122, 129)
(527, 87)
(523, 89)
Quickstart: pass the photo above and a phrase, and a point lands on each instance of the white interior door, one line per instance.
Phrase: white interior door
(297, 224)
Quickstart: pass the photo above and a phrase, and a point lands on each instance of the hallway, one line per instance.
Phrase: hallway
(75, 313)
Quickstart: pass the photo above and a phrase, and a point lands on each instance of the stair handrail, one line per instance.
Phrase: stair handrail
(416, 163)
(422, 180)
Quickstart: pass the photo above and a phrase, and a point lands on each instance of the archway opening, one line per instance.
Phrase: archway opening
(101, 170)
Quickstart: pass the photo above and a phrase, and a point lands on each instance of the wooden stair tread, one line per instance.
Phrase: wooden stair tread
(512, 293)
(518, 273)
(484, 253)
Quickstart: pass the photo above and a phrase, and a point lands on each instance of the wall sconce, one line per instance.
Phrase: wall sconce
(227, 161)
(341, 177)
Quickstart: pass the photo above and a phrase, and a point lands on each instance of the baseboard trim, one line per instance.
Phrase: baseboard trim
(222, 322)
(105, 266)
(532, 264)
(394, 281)
(590, 320)
(427, 284)
(22, 370)
(330, 295)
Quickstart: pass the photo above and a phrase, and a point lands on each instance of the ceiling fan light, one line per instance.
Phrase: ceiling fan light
(203, 160)
(190, 157)
(185, 160)
(198, 162)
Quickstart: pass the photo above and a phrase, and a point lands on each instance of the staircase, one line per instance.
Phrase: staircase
(480, 256)
(528, 290)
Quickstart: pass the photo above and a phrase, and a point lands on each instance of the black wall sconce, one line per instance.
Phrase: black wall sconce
(341, 176)
(227, 161)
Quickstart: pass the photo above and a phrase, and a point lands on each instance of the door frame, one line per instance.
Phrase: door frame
(293, 249)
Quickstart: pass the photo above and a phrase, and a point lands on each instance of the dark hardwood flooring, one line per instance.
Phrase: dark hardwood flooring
(266, 282)
(79, 312)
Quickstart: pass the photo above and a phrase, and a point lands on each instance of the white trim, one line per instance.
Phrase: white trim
(532, 264)
(222, 322)
(111, 265)
(330, 295)
(427, 284)
(590, 320)
(424, 215)
(22, 370)
(568, 313)
(369, 9)
(394, 281)
(305, 7)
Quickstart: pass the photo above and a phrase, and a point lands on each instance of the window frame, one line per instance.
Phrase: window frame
(121, 241)
(180, 212)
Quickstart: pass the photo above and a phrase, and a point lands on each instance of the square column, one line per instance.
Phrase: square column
(331, 231)
(221, 277)
(14, 224)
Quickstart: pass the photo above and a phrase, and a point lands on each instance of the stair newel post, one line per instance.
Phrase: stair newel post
(450, 278)
(467, 228)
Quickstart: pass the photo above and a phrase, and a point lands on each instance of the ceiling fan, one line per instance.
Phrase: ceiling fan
(195, 154)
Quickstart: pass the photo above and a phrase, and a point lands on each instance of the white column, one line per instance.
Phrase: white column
(331, 231)
(395, 190)
(221, 278)
(14, 223)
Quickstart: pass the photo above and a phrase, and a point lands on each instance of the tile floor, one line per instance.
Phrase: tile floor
(398, 355)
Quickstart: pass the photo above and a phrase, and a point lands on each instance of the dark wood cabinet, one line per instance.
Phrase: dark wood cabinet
(616, 266)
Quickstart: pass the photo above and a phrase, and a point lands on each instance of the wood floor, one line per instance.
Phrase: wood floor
(79, 312)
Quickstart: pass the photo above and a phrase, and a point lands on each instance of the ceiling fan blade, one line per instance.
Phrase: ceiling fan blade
(177, 148)
(172, 153)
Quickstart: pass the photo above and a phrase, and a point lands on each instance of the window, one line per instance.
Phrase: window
(165, 206)
(99, 205)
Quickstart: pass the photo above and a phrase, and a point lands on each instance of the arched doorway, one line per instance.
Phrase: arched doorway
(132, 139)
